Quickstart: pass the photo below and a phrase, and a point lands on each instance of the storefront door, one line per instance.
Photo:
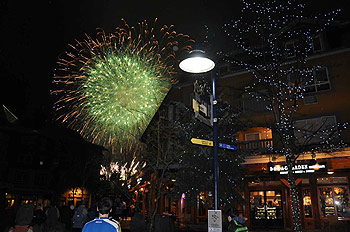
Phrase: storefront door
(266, 209)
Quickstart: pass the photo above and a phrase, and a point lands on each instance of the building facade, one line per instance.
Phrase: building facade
(322, 178)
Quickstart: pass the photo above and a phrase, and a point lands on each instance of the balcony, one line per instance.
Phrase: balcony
(255, 146)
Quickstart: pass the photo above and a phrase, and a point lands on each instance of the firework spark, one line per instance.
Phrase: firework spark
(110, 87)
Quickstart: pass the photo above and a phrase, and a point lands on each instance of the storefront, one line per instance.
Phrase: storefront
(323, 195)
(326, 200)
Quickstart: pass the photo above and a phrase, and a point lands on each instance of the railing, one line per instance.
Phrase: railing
(260, 146)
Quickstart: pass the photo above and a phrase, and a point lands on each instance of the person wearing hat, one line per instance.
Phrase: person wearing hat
(235, 223)
(23, 222)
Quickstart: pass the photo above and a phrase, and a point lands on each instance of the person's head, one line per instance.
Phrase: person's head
(231, 213)
(52, 214)
(24, 215)
(104, 205)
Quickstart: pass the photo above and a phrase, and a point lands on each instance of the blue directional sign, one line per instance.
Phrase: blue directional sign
(227, 146)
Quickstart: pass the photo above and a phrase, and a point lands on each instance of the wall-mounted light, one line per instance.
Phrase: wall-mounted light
(270, 165)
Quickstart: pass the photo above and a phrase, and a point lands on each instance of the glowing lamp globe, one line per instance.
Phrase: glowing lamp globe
(197, 62)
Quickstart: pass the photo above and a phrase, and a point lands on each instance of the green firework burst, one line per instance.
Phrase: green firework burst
(110, 87)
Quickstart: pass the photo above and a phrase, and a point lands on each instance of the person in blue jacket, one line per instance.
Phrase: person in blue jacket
(235, 223)
(103, 222)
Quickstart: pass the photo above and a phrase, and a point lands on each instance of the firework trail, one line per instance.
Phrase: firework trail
(109, 88)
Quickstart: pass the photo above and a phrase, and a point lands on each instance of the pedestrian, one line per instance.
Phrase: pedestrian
(39, 215)
(79, 218)
(132, 209)
(124, 210)
(138, 223)
(23, 222)
(52, 223)
(92, 212)
(66, 215)
(118, 208)
(235, 223)
(103, 222)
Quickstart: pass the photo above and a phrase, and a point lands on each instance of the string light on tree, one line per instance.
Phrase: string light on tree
(261, 36)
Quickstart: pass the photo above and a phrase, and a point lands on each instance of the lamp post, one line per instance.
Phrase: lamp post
(198, 62)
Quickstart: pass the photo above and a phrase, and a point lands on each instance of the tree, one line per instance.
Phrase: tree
(272, 40)
(195, 173)
(161, 155)
(118, 172)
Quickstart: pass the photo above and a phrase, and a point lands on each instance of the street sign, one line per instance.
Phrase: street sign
(210, 144)
(202, 107)
(227, 146)
(202, 142)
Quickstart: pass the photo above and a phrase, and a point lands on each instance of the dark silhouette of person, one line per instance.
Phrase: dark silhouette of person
(52, 223)
(24, 218)
(138, 223)
(66, 215)
(39, 215)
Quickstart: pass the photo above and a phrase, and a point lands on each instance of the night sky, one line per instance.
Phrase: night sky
(35, 33)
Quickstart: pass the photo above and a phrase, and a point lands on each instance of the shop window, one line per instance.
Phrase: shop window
(257, 203)
(326, 202)
(266, 209)
(334, 201)
(307, 203)
(341, 201)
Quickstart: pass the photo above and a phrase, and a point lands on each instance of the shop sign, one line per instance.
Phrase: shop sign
(300, 168)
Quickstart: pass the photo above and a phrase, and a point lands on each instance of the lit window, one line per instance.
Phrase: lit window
(307, 203)
(334, 201)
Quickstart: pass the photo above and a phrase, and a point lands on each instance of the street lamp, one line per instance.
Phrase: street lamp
(198, 62)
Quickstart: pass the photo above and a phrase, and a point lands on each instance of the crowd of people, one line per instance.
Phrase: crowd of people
(100, 217)
(70, 219)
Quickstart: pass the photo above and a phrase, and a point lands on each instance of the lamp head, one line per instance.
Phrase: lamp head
(197, 62)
